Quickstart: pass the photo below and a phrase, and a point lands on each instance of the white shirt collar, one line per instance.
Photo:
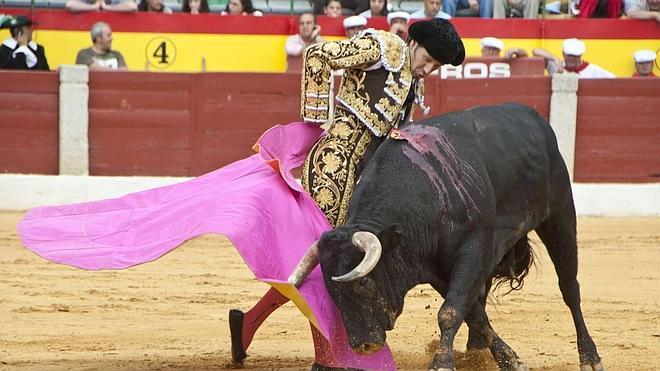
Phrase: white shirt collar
(11, 43)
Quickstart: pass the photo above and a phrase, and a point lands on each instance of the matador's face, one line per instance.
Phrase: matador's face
(421, 62)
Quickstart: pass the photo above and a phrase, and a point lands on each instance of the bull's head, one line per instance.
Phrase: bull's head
(357, 278)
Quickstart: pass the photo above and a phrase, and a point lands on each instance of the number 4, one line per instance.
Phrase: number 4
(161, 52)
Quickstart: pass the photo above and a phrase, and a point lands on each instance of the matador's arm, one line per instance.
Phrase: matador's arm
(318, 63)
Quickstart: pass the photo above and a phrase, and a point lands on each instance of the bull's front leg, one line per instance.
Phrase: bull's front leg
(464, 285)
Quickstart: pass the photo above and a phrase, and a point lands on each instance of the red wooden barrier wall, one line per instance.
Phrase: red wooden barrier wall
(29, 122)
(139, 124)
(232, 110)
(618, 131)
(182, 124)
(448, 95)
(188, 124)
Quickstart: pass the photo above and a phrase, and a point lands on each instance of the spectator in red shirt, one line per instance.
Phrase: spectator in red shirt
(595, 8)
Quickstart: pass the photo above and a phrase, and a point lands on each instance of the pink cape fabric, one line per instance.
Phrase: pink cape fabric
(266, 214)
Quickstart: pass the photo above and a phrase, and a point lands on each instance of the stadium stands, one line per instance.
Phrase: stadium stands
(26, 3)
(217, 6)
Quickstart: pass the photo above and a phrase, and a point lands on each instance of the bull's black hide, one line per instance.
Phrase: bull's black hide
(451, 200)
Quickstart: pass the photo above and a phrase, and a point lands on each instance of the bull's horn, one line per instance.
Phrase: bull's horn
(306, 265)
(367, 242)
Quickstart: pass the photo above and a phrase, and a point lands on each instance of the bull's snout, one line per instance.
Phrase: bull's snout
(367, 348)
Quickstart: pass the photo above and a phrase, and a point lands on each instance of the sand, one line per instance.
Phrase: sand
(172, 313)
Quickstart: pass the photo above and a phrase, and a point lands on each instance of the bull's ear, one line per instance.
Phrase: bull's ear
(390, 236)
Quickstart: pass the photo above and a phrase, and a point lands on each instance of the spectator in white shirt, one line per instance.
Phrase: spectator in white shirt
(573, 49)
(642, 9)
(431, 9)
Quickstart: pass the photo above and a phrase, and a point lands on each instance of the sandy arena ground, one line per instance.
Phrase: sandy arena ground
(172, 313)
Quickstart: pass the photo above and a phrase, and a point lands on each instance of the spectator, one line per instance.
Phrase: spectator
(642, 9)
(195, 6)
(79, 6)
(431, 9)
(19, 51)
(332, 8)
(599, 9)
(100, 55)
(398, 22)
(155, 6)
(483, 8)
(491, 47)
(377, 8)
(241, 7)
(354, 24)
(528, 8)
(644, 63)
(309, 33)
(573, 49)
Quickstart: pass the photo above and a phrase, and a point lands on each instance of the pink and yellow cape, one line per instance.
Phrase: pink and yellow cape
(255, 202)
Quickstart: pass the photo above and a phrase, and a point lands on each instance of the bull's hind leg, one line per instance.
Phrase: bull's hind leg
(559, 235)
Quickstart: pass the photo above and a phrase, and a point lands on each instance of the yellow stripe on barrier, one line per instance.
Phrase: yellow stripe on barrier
(178, 52)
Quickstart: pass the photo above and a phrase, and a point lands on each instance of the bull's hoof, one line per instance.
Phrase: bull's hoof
(592, 367)
(236, 330)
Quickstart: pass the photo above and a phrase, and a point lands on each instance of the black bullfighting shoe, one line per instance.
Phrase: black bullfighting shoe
(236, 330)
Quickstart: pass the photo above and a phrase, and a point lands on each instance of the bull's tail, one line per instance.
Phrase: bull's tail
(514, 266)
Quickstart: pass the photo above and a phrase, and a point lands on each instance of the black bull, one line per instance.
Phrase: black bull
(449, 201)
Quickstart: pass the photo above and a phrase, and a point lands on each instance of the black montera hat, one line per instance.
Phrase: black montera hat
(440, 39)
(14, 22)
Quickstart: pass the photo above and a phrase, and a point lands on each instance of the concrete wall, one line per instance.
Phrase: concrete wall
(20, 192)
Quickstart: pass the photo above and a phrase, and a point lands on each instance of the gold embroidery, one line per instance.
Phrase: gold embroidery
(374, 106)
(329, 172)
(319, 61)
(325, 198)
(341, 130)
(370, 102)
(330, 163)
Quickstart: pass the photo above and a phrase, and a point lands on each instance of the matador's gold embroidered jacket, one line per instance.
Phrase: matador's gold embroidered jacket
(375, 83)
